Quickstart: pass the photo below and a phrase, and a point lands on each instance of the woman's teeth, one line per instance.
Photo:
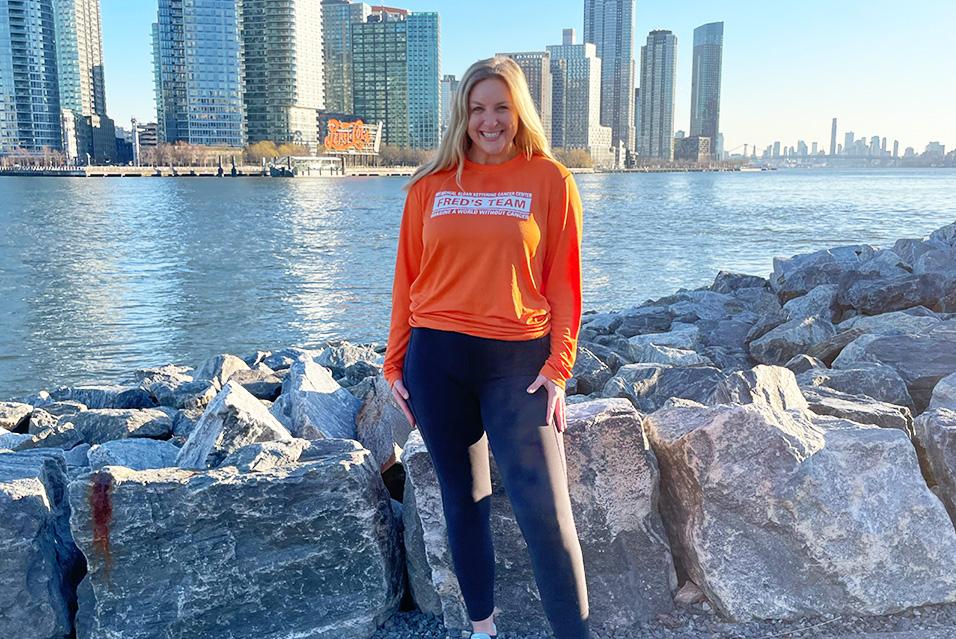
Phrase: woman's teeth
(490, 136)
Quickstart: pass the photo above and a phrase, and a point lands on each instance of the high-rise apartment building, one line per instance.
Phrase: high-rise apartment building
(449, 85)
(536, 66)
(833, 137)
(848, 138)
(29, 88)
(396, 75)
(282, 56)
(338, 16)
(896, 148)
(198, 67)
(576, 100)
(658, 68)
(609, 25)
(88, 134)
(705, 82)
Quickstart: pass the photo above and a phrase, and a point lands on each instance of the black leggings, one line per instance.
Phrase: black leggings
(460, 388)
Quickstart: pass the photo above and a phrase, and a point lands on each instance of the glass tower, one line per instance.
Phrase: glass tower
(705, 87)
(609, 25)
(658, 68)
(337, 19)
(424, 80)
(29, 88)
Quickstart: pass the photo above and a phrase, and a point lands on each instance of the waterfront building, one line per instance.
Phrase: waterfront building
(396, 75)
(935, 150)
(694, 148)
(449, 85)
(29, 88)
(536, 66)
(896, 148)
(705, 81)
(609, 25)
(883, 146)
(833, 137)
(909, 152)
(848, 141)
(338, 16)
(776, 149)
(813, 150)
(658, 68)
(282, 58)
(199, 72)
(88, 134)
(802, 148)
(874, 145)
(576, 99)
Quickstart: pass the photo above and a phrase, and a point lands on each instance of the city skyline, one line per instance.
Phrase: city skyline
(779, 81)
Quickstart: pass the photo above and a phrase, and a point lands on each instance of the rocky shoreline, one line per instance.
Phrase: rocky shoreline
(764, 457)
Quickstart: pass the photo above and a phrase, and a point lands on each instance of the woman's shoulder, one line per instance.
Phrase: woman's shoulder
(549, 166)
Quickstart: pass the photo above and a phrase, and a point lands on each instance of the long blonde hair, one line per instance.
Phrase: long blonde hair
(529, 139)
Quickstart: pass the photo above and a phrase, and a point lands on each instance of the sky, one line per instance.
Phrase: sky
(882, 67)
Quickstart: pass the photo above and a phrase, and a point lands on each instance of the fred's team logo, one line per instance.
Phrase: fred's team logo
(509, 203)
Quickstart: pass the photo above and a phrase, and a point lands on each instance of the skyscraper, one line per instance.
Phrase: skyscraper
(29, 89)
(338, 16)
(282, 55)
(833, 134)
(396, 75)
(449, 85)
(576, 100)
(658, 68)
(705, 82)
(609, 25)
(536, 66)
(198, 63)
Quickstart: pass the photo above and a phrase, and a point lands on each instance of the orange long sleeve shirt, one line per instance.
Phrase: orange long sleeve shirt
(498, 257)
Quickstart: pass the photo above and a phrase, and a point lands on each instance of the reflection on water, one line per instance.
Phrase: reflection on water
(98, 276)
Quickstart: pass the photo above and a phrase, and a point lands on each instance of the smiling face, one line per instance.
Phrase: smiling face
(492, 122)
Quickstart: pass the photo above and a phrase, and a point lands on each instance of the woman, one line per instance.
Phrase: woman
(486, 307)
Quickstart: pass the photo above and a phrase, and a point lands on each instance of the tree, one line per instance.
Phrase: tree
(574, 158)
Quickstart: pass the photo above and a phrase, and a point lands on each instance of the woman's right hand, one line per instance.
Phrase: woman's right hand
(400, 393)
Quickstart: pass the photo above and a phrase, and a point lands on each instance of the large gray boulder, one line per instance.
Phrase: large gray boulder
(108, 396)
(380, 424)
(936, 443)
(921, 359)
(875, 380)
(818, 302)
(38, 559)
(235, 418)
(773, 515)
(309, 549)
(791, 338)
(14, 416)
(654, 354)
(911, 320)
(313, 405)
(181, 394)
(590, 371)
(338, 356)
(935, 291)
(944, 393)
(100, 425)
(644, 319)
(648, 386)
(798, 275)
(219, 368)
(612, 477)
(137, 454)
(772, 386)
(858, 408)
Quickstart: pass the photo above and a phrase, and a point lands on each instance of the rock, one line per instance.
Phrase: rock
(137, 454)
(261, 384)
(40, 420)
(14, 416)
(818, 302)
(304, 550)
(11, 441)
(692, 306)
(97, 426)
(654, 354)
(945, 234)
(798, 275)
(936, 291)
(921, 359)
(875, 380)
(773, 516)
(726, 359)
(613, 486)
(765, 324)
(601, 323)
(255, 359)
(771, 386)
(264, 456)
(911, 249)
(803, 363)
(727, 282)
(944, 393)
(182, 394)
(683, 336)
(338, 356)
(644, 319)
(39, 563)
(689, 594)
(913, 320)
(285, 358)
(790, 339)
(728, 333)
(219, 368)
(169, 372)
(104, 396)
(78, 461)
(758, 301)
(937, 260)
(359, 371)
(235, 418)
(380, 424)
(648, 386)
(313, 405)
(61, 435)
(64, 408)
(589, 372)
(828, 350)
(936, 443)
(613, 351)
(858, 408)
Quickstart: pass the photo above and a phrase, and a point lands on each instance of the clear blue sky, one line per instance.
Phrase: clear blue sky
(883, 67)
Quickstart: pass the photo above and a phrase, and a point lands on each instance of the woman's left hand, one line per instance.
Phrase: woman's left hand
(556, 416)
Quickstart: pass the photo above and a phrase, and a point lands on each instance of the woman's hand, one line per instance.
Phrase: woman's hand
(556, 416)
(401, 394)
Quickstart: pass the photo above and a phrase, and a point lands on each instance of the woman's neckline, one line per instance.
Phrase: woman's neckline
(490, 168)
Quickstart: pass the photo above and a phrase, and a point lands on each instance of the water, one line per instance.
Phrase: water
(102, 276)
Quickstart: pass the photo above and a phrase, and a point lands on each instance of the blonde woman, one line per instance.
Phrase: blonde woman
(486, 307)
